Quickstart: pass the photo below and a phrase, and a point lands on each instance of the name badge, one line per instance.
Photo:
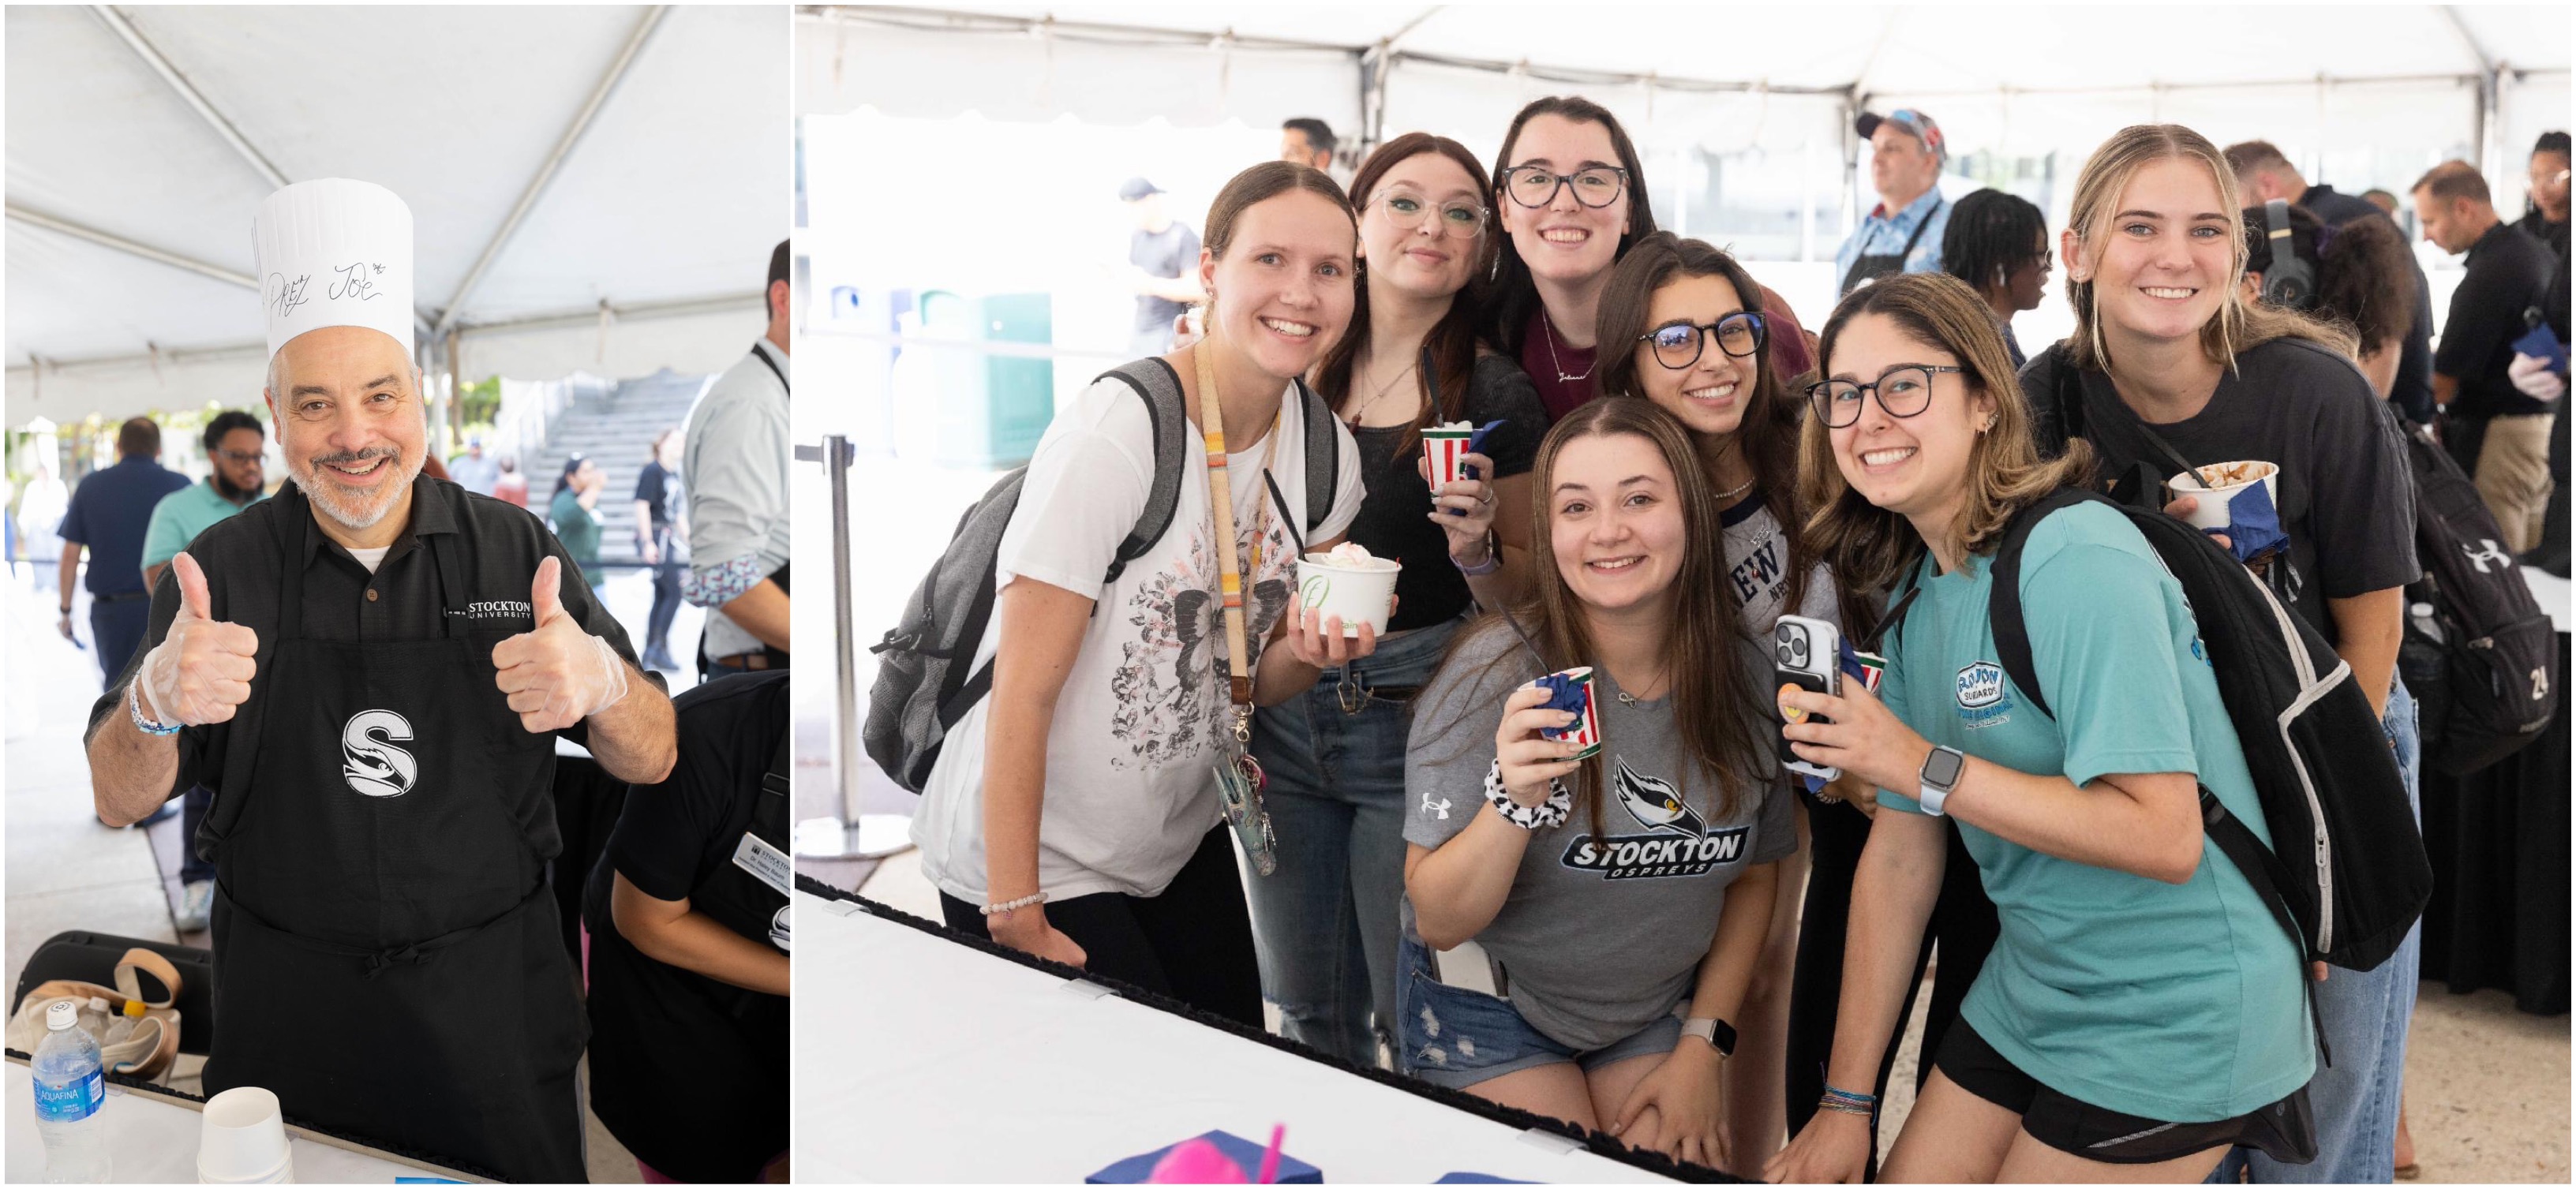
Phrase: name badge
(766, 863)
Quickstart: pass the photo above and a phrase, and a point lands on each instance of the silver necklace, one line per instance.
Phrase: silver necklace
(1738, 489)
(1629, 699)
(1548, 329)
(1361, 413)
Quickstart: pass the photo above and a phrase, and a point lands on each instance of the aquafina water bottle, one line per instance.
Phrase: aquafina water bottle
(71, 1089)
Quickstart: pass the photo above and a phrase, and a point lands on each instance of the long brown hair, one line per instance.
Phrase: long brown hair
(1718, 712)
(1515, 293)
(1452, 342)
(2238, 324)
(1871, 547)
(1768, 434)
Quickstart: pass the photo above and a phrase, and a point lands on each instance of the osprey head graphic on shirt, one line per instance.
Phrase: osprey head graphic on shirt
(1655, 803)
(373, 765)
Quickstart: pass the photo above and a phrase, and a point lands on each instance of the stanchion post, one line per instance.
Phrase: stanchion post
(836, 455)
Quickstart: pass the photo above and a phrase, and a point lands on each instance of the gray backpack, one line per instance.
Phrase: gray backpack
(923, 685)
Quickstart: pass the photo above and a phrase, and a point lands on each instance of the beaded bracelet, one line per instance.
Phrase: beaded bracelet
(1013, 905)
(1847, 1102)
(134, 705)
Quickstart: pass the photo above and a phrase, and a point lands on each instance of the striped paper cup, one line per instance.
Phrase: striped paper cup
(1447, 450)
(1586, 732)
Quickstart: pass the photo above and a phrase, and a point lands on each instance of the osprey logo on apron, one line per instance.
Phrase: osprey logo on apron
(374, 766)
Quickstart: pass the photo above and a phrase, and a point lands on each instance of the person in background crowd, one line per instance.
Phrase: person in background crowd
(2360, 277)
(1698, 335)
(1326, 919)
(474, 470)
(2499, 435)
(373, 671)
(40, 513)
(238, 479)
(1903, 233)
(1571, 195)
(2385, 201)
(1308, 142)
(2536, 380)
(2547, 219)
(1998, 244)
(1073, 812)
(660, 530)
(687, 954)
(110, 515)
(734, 465)
(1160, 253)
(511, 487)
(2264, 174)
(1625, 895)
(2168, 359)
(574, 512)
(2141, 1011)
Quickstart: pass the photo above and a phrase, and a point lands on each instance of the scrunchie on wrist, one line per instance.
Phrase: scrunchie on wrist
(1559, 806)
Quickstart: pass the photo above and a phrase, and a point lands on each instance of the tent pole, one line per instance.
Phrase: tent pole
(454, 406)
(20, 214)
(151, 56)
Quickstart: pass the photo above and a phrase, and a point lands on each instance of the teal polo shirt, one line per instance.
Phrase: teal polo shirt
(181, 515)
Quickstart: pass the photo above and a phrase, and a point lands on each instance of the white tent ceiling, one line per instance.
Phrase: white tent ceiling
(665, 208)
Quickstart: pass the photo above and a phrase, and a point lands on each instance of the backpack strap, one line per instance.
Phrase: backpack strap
(1323, 457)
(1160, 387)
(2262, 869)
(2003, 602)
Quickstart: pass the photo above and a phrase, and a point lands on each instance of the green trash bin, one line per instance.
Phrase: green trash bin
(991, 408)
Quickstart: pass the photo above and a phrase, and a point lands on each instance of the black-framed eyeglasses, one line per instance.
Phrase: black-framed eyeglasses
(1678, 344)
(237, 457)
(1459, 219)
(1535, 186)
(1904, 390)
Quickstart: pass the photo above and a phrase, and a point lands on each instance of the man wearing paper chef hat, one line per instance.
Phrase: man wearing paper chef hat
(371, 670)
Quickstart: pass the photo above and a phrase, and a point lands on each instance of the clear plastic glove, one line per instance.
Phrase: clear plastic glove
(202, 668)
(2532, 376)
(556, 674)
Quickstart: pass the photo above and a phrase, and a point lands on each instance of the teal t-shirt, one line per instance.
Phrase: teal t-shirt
(181, 515)
(578, 528)
(2172, 1002)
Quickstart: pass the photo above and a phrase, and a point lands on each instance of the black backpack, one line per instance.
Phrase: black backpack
(2350, 876)
(923, 687)
(2479, 655)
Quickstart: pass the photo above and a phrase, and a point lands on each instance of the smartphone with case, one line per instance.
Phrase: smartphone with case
(1806, 653)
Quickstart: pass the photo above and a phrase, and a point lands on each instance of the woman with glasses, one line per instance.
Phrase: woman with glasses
(2141, 1012)
(1998, 244)
(1620, 895)
(1570, 197)
(1326, 918)
(1075, 812)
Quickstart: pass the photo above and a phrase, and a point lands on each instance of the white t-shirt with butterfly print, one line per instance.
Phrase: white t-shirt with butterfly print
(1130, 790)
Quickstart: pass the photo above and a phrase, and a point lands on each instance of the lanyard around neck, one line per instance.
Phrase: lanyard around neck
(1221, 499)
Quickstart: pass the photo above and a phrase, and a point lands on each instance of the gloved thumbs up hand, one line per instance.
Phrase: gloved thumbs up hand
(202, 668)
(556, 674)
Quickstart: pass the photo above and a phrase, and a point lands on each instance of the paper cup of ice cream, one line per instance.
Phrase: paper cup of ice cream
(1572, 691)
(1350, 583)
(1446, 447)
(2216, 486)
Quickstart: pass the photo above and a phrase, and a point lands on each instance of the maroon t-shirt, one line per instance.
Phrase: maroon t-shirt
(1560, 396)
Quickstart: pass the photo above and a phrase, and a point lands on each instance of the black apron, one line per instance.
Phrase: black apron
(388, 956)
(688, 1072)
(1869, 268)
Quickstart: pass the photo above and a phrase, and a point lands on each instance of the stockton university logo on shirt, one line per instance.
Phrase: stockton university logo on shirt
(370, 762)
(1676, 841)
(1983, 699)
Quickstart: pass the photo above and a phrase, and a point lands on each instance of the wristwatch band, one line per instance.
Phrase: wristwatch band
(1719, 1034)
(1940, 775)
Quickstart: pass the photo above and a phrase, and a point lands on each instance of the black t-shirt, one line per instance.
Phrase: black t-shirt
(2508, 274)
(671, 837)
(1165, 253)
(2344, 496)
(658, 489)
(2551, 235)
(1394, 520)
(2412, 392)
(501, 546)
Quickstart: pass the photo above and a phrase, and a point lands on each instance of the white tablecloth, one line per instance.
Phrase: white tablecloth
(919, 1059)
(156, 1142)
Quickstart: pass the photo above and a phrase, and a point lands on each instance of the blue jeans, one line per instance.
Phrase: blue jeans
(1325, 922)
(1456, 1037)
(2365, 1015)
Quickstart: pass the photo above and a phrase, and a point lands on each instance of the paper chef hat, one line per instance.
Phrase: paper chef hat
(334, 252)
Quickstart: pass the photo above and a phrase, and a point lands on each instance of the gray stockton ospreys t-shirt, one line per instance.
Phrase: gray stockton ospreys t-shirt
(1600, 936)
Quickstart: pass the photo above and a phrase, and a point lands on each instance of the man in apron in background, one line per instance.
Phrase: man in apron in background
(1903, 234)
(371, 670)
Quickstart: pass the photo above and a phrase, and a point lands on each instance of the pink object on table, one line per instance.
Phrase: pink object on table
(1195, 1162)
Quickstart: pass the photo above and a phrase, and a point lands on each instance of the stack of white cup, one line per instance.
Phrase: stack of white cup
(242, 1140)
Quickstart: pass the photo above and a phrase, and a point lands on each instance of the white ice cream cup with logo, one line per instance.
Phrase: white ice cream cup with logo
(1359, 589)
(2217, 485)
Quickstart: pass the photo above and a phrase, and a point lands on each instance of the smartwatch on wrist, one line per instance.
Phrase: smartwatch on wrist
(1719, 1034)
(1940, 775)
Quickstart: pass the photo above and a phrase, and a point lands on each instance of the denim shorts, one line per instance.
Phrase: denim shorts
(1456, 1037)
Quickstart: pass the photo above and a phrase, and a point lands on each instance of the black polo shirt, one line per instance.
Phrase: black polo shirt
(2508, 274)
(2412, 391)
(2551, 235)
(500, 544)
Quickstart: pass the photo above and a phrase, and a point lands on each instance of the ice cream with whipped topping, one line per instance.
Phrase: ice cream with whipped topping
(1348, 581)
